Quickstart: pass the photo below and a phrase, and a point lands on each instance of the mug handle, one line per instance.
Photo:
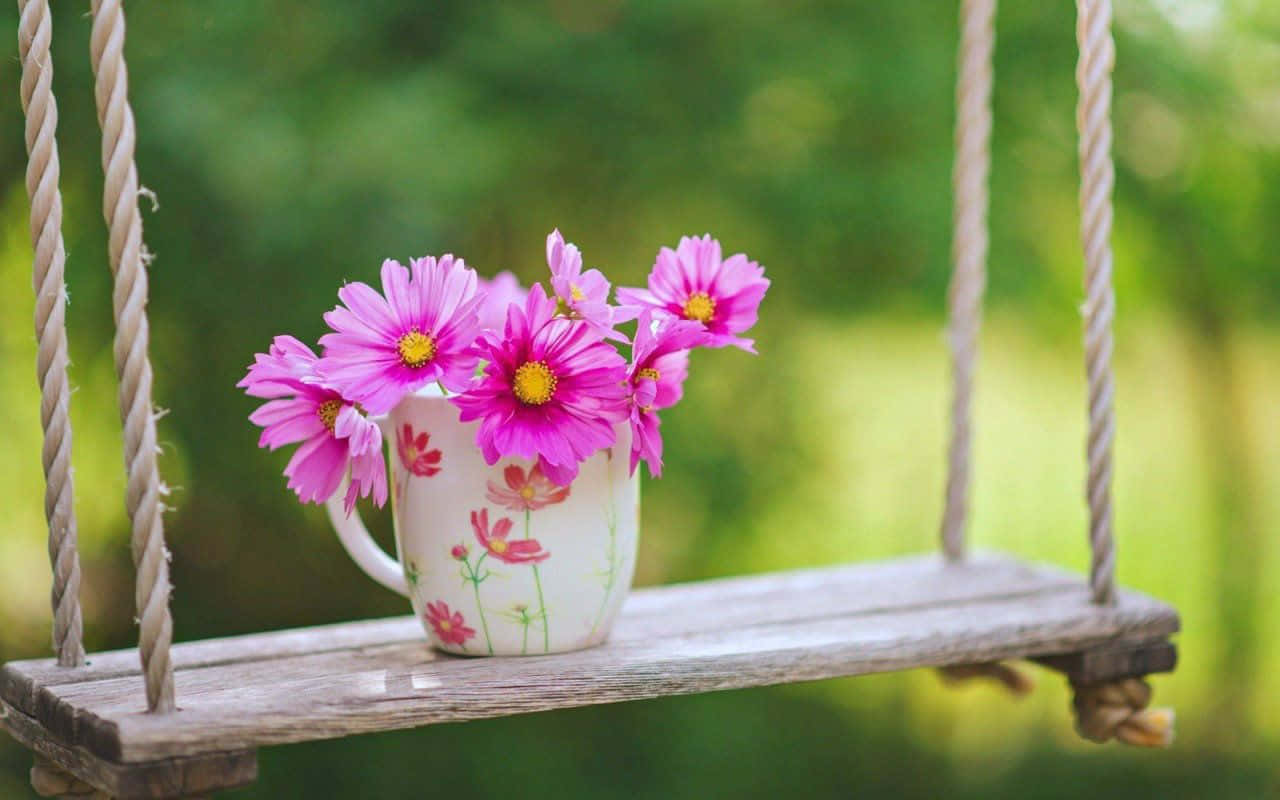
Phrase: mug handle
(360, 546)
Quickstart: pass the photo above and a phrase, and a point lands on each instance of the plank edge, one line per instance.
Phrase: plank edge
(160, 778)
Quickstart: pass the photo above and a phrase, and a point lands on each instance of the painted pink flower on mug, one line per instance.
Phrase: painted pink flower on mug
(448, 625)
(526, 491)
(414, 454)
(519, 551)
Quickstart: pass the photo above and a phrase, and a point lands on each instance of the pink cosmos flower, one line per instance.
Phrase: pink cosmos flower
(692, 282)
(498, 294)
(414, 454)
(551, 389)
(520, 551)
(526, 491)
(448, 625)
(583, 295)
(660, 363)
(422, 330)
(333, 432)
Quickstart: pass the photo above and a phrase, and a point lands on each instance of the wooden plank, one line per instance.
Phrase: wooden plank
(209, 652)
(699, 637)
(683, 608)
(872, 583)
(1114, 660)
(394, 687)
(724, 602)
(404, 685)
(173, 777)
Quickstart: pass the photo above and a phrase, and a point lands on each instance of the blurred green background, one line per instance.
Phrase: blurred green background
(293, 145)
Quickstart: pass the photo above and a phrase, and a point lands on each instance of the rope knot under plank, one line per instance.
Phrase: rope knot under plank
(1118, 710)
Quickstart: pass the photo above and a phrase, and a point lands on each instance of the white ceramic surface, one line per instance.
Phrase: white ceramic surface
(461, 528)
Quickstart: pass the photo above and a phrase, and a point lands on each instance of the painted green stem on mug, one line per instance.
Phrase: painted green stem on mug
(520, 615)
(472, 576)
(483, 624)
(611, 555)
(542, 604)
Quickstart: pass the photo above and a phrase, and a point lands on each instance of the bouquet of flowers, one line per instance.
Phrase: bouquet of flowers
(542, 371)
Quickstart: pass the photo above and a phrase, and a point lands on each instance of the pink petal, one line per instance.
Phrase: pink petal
(365, 309)
(400, 300)
(316, 469)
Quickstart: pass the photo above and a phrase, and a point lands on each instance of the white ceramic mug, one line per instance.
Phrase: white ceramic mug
(498, 560)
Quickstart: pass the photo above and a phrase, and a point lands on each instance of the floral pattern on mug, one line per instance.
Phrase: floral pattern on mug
(526, 491)
(449, 625)
(417, 460)
(414, 454)
(519, 614)
(475, 575)
(520, 551)
(609, 575)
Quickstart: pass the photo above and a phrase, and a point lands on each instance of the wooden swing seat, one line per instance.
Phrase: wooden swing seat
(240, 693)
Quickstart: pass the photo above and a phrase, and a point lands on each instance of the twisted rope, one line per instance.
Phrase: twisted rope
(968, 252)
(35, 29)
(128, 256)
(1119, 711)
(1015, 681)
(1097, 176)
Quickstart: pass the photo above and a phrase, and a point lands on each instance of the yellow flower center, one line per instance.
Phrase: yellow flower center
(416, 349)
(650, 373)
(328, 413)
(535, 383)
(498, 546)
(700, 306)
(527, 492)
(576, 294)
(446, 625)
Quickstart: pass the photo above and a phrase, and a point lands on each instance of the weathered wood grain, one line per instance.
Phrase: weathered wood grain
(723, 603)
(174, 777)
(718, 602)
(245, 692)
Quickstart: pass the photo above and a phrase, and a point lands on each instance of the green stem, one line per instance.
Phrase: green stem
(611, 554)
(475, 584)
(542, 604)
(483, 624)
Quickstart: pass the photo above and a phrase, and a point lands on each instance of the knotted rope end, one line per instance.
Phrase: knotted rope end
(1119, 711)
